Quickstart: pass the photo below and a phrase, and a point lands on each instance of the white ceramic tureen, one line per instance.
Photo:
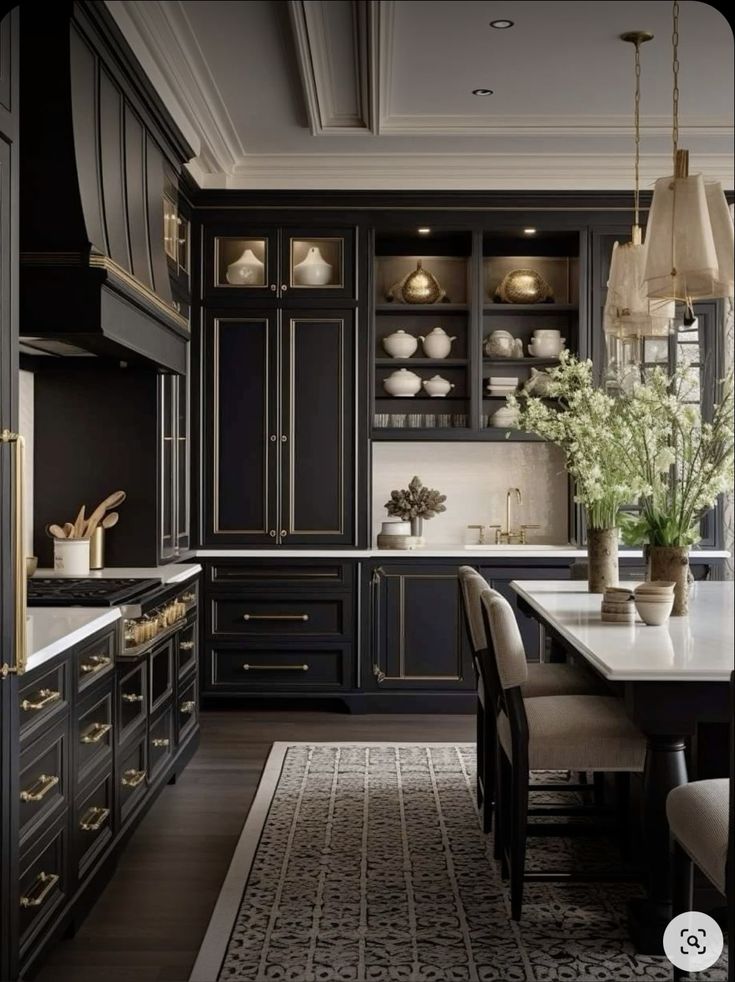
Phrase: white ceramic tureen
(402, 383)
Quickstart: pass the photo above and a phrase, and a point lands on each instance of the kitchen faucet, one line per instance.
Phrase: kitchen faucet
(508, 535)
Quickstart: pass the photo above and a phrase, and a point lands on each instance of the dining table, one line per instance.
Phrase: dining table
(673, 679)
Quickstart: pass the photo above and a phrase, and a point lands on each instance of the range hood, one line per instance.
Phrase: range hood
(99, 155)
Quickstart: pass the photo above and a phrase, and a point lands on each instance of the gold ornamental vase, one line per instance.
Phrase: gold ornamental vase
(421, 286)
(524, 286)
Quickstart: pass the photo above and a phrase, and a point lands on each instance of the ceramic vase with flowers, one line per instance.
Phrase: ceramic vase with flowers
(416, 503)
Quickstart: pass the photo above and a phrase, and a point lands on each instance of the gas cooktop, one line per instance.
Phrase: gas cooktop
(63, 592)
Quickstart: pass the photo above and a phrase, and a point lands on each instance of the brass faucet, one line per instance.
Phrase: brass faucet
(509, 534)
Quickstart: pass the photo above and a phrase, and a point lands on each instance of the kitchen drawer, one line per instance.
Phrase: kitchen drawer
(187, 710)
(266, 573)
(44, 779)
(43, 883)
(299, 617)
(187, 643)
(132, 774)
(161, 674)
(93, 819)
(160, 743)
(132, 700)
(44, 700)
(280, 669)
(94, 660)
(94, 739)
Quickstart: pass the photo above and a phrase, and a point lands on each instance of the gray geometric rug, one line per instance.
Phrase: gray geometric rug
(367, 863)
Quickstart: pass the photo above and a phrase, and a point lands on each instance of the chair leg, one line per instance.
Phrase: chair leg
(489, 757)
(480, 750)
(518, 832)
(681, 889)
(622, 788)
(599, 793)
(502, 812)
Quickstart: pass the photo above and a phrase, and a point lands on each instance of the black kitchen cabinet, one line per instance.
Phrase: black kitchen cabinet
(418, 638)
(174, 494)
(280, 397)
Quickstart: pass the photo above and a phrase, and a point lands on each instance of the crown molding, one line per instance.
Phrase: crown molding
(576, 126)
(573, 171)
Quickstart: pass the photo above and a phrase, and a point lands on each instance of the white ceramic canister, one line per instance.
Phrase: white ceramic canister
(437, 343)
(400, 344)
(313, 270)
(395, 528)
(248, 270)
(71, 556)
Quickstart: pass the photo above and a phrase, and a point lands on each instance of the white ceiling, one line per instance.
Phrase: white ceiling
(341, 94)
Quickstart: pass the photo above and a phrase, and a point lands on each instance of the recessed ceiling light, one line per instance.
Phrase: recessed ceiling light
(529, 231)
(501, 25)
(423, 231)
(482, 92)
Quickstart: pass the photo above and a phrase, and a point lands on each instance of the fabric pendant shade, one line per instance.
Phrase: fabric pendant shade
(629, 312)
(689, 241)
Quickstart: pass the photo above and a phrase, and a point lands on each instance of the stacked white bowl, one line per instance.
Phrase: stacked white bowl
(546, 343)
(502, 385)
(654, 601)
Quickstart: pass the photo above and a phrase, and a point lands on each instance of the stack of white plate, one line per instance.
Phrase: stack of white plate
(502, 385)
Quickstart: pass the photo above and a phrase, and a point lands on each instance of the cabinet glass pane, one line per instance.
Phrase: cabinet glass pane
(241, 262)
(183, 243)
(167, 457)
(170, 230)
(182, 464)
(317, 264)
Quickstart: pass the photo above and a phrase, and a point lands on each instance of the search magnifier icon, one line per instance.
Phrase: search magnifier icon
(693, 941)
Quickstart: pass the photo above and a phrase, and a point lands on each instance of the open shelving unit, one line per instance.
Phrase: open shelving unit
(469, 265)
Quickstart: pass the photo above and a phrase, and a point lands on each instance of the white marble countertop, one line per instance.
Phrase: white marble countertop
(173, 573)
(53, 630)
(448, 551)
(696, 648)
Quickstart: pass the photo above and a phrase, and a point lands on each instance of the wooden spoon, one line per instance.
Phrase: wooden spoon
(79, 524)
(116, 498)
(68, 530)
(56, 531)
(110, 520)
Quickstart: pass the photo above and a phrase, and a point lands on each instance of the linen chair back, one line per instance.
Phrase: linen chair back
(473, 585)
(507, 644)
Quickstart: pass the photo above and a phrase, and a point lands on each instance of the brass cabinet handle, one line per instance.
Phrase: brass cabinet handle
(273, 437)
(132, 778)
(39, 790)
(46, 881)
(284, 438)
(187, 707)
(186, 645)
(275, 668)
(284, 533)
(94, 819)
(20, 588)
(161, 742)
(95, 664)
(272, 533)
(275, 617)
(283, 287)
(44, 698)
(131, 697)
(95, 733)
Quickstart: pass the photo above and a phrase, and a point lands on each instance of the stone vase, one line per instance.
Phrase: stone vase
(417, 527)
(672, 563)
(602, 559)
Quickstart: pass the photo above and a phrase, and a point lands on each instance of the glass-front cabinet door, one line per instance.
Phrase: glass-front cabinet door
(242, 264)
(318, 263)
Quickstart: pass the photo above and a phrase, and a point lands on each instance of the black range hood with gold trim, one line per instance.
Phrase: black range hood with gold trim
(97, 152)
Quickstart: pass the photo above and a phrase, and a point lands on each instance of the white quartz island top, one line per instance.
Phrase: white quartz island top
(53, 630)
(448, 551)
(696, 648)
(173, 573)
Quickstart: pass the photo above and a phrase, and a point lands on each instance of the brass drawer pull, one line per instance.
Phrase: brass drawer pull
(94, 819)
(275, 617)
(47, 881)
(131, 696)
(187, 707)
(132, 778)
(186, 645)
(44, 698)
(39, 790)
(161, 742)
(95, 664)
(275, 668)
(95, 733)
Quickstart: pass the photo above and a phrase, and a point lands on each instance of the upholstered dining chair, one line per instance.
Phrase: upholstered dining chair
(567, 732)
(543, 680)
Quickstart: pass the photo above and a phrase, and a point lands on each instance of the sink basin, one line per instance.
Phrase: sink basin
(517, 547)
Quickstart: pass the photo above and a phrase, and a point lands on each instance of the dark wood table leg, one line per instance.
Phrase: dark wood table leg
(665, 769)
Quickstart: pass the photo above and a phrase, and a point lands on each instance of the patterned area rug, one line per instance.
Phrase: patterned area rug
(367, 863)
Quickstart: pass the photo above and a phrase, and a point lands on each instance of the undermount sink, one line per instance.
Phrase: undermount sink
(518, 547)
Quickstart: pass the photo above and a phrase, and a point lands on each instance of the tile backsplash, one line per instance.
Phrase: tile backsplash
(475, 478)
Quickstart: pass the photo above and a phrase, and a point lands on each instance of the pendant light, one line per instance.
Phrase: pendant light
(630, 315)
(689, 243)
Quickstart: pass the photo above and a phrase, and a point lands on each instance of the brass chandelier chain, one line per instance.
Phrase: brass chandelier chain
(637, 115)
(675, 67)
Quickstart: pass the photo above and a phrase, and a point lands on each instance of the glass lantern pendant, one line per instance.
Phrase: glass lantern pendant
(689, 242)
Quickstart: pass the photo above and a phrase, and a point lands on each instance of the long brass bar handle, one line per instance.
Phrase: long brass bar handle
(275, 617)
(39, 790)
(131, 697)
(47, 881)
(94, 819)
(132, 778)
(45, 698)
(95, 664)
(96, 732)
(20, 654)
(275, 668)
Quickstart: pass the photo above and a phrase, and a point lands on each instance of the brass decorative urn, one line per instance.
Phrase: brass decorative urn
(421, 286)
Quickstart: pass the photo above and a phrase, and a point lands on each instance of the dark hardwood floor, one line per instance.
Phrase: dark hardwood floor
(149, 921)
